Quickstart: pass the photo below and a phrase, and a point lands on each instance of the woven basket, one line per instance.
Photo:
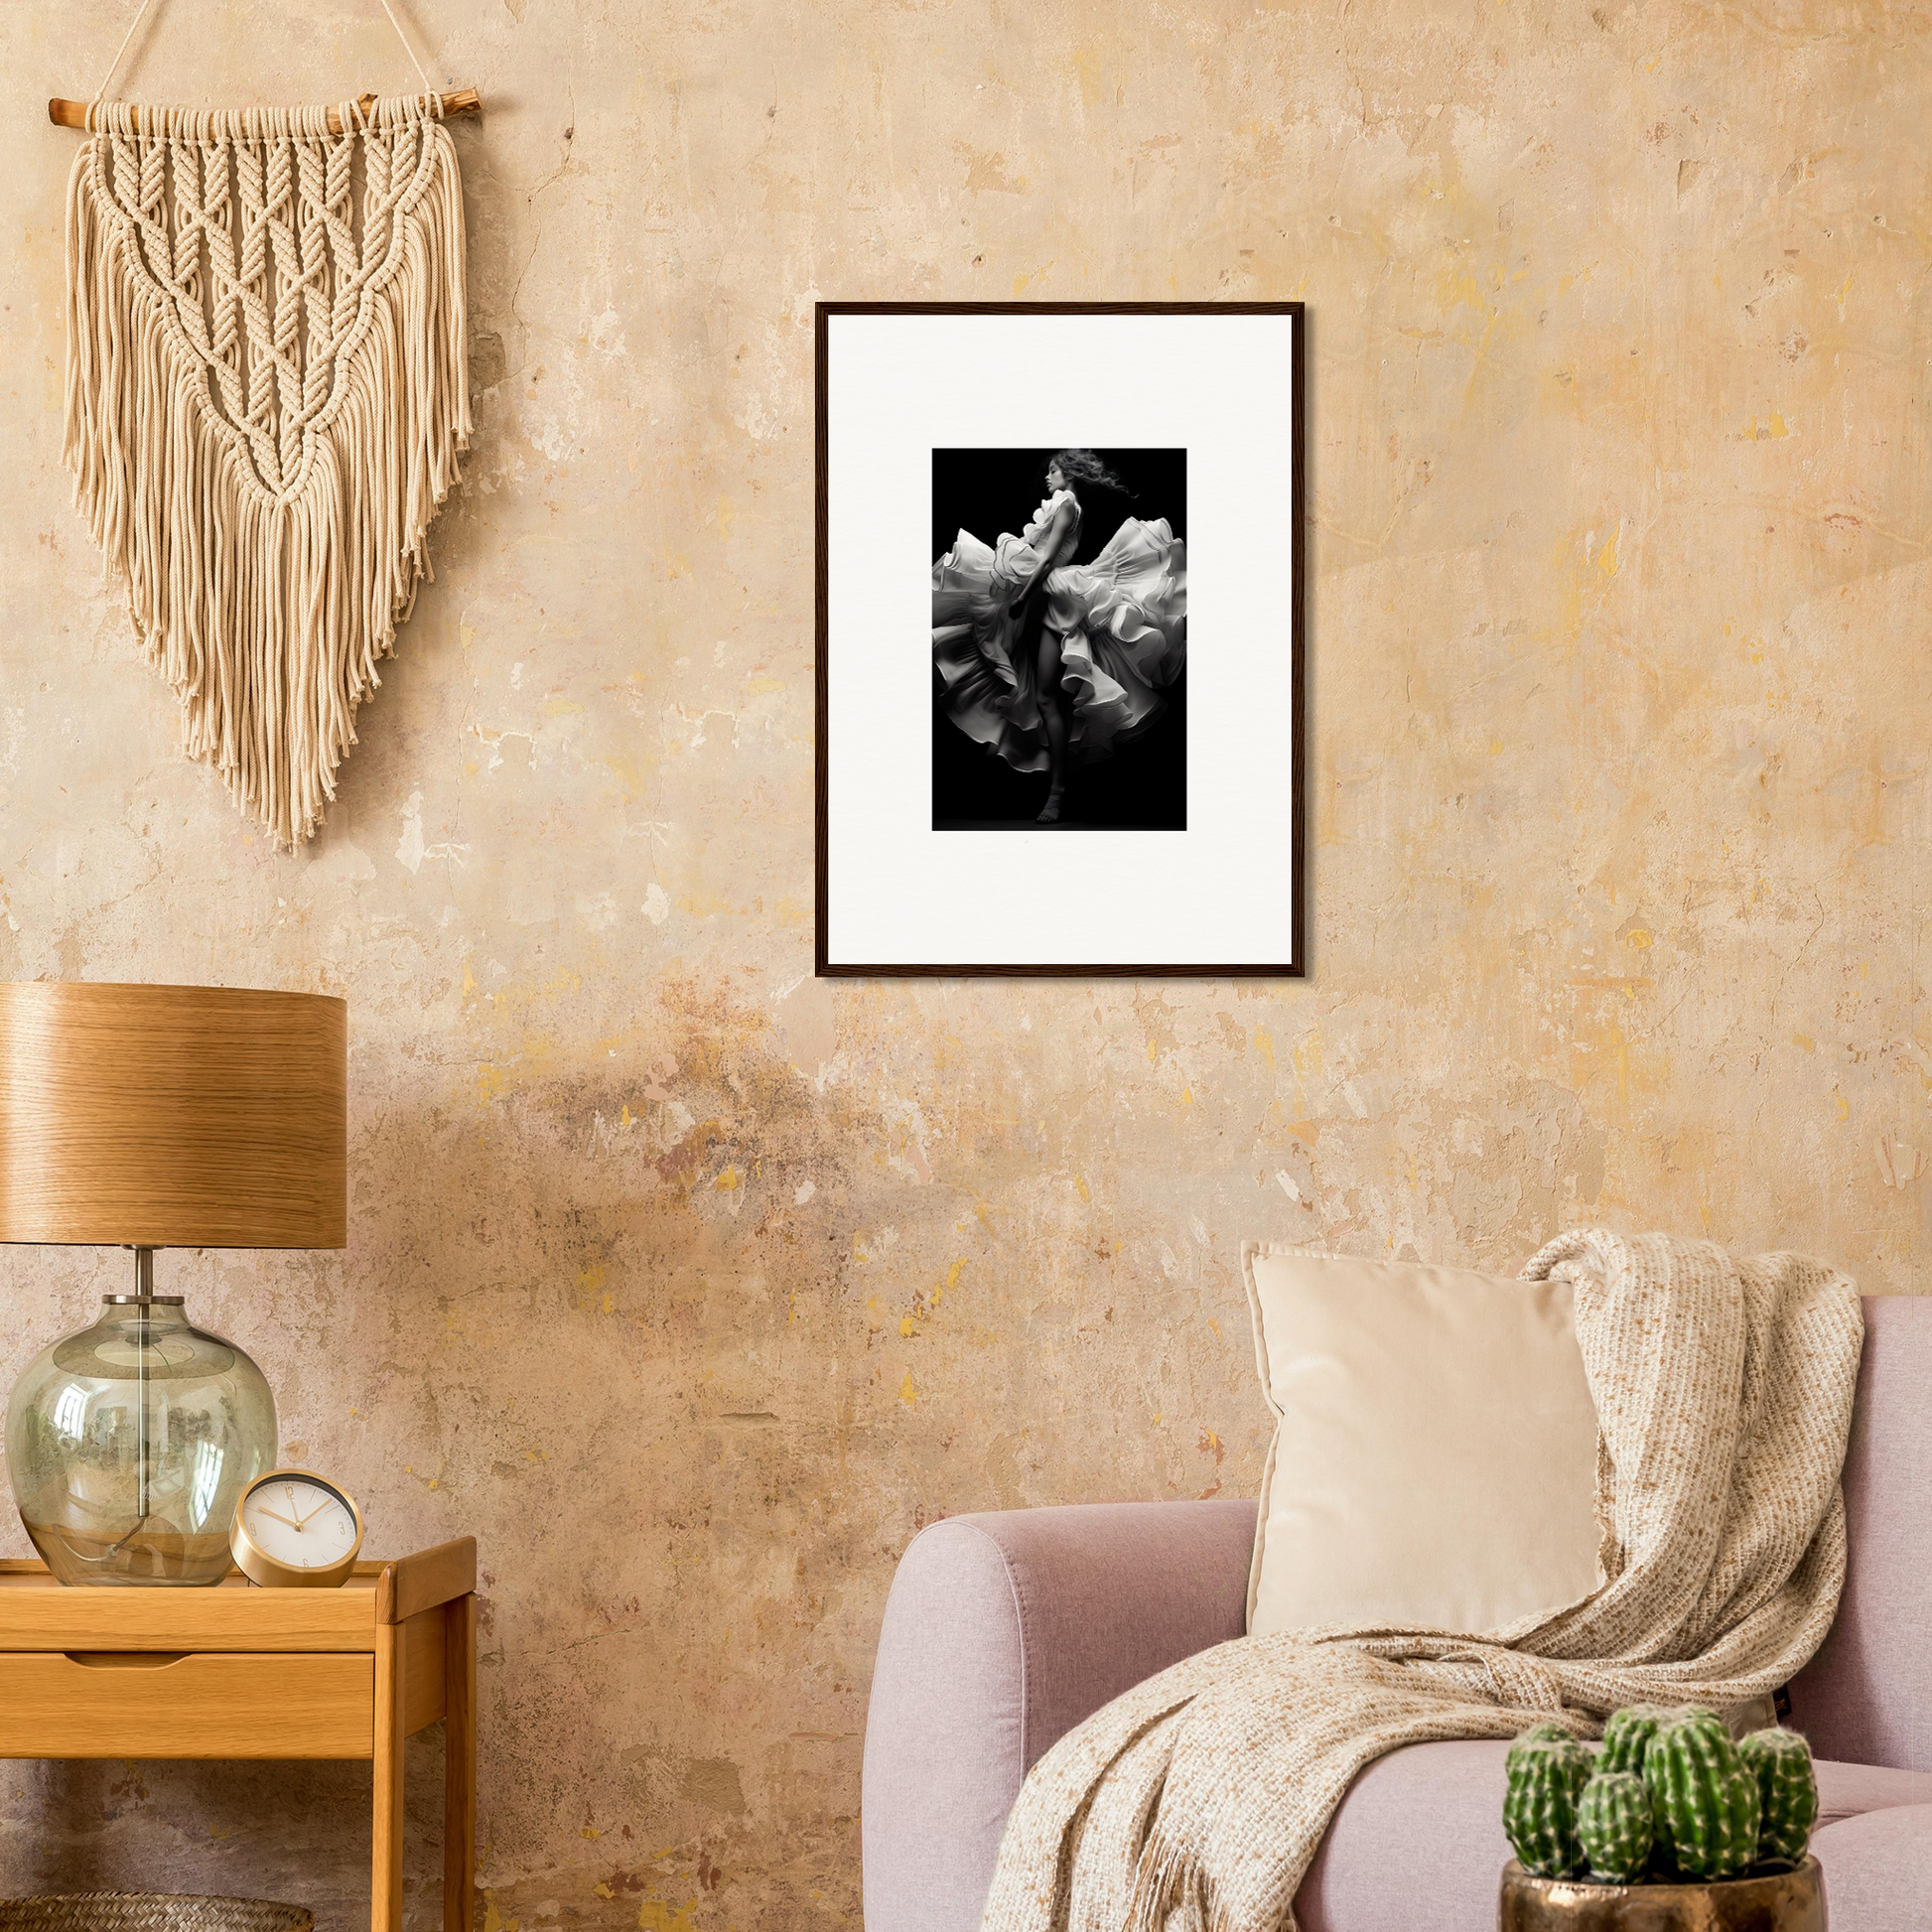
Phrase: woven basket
(149, 1911)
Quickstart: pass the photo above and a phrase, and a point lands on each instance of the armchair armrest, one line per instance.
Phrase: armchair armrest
(1001, 1632)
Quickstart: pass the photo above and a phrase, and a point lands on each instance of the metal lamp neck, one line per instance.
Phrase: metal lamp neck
(144, 1283)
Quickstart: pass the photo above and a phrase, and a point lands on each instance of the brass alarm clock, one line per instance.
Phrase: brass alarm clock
(296, 1530)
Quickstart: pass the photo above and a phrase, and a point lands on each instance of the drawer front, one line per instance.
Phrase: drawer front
(201, 1705)
(37, 1614)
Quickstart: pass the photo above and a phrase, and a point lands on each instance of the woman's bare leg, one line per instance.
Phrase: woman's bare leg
(1053, 716)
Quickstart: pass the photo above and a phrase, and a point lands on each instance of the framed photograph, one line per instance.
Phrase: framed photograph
(1095, 764)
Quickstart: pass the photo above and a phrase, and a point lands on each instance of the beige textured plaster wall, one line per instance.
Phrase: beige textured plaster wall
(693, 1286)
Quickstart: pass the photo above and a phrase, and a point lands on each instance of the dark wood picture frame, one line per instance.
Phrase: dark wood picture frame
(1297, 968)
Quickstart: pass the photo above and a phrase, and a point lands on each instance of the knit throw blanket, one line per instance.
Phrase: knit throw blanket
(1724, 1388)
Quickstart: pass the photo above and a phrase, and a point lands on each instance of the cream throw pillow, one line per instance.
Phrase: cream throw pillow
(1435, 1459)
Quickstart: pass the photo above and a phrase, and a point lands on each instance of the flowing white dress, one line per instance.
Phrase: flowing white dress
(1122, 622)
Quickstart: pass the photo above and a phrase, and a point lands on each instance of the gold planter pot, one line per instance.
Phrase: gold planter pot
(1776, 1901)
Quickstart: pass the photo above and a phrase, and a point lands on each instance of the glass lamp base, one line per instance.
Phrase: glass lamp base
(130, 1444)
(80, 1556)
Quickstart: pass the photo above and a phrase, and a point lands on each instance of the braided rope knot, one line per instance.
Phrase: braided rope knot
(267, 197)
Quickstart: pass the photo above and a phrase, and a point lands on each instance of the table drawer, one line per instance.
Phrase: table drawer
(205, 1703)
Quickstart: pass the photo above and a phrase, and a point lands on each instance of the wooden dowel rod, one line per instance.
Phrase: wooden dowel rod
(456, 100)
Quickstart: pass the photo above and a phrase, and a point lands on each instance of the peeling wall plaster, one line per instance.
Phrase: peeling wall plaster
(694, 1285)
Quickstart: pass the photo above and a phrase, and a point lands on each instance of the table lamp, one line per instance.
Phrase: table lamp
(154, 1117)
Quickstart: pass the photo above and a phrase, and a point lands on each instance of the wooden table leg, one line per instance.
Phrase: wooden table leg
(385, 1864)
(459, 1765)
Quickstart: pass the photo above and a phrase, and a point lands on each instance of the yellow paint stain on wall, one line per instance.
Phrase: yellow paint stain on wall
(908, 1393)
(1265, 1046)
(521, 996)
(1638, 937)
(729, 1180)
(1601, 1052)
(1086, 66)
(1805, 1040)
(1080, 1188)
(655, 1915)
(632, 770)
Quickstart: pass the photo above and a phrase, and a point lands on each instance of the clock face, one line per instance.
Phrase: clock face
(299, 1522)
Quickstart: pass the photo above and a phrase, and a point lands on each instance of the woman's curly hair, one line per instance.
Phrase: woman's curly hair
(1084, 466)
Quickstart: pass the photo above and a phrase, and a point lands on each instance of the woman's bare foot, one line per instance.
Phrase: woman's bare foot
(1049, 813)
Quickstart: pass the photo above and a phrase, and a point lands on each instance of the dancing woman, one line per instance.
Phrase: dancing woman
(1110, 632)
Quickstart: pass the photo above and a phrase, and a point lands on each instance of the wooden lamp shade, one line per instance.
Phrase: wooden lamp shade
(172, 1116)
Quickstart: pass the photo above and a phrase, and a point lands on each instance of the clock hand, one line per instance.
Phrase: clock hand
(279, 1517)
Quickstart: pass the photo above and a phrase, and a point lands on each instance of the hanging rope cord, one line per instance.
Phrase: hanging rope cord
(141, 13)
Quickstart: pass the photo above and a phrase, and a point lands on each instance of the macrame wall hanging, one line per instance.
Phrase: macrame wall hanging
(267, 388)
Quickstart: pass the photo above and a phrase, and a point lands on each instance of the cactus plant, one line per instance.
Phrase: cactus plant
(1543, 1733)
(1614, 1826)
(1705, 1803)
(1628, 1734)
(1669, 1795)
(1787, 1791)
(1546, 1776)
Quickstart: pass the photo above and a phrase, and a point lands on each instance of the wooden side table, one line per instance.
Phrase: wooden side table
(240, 1672)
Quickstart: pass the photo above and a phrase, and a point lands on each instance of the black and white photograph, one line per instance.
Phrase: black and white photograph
(1059, 646)
(1059, 638)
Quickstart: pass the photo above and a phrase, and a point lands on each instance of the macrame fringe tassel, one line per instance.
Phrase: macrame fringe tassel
(267, 615)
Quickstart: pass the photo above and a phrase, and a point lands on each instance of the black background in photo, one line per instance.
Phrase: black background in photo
(1143, 787)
